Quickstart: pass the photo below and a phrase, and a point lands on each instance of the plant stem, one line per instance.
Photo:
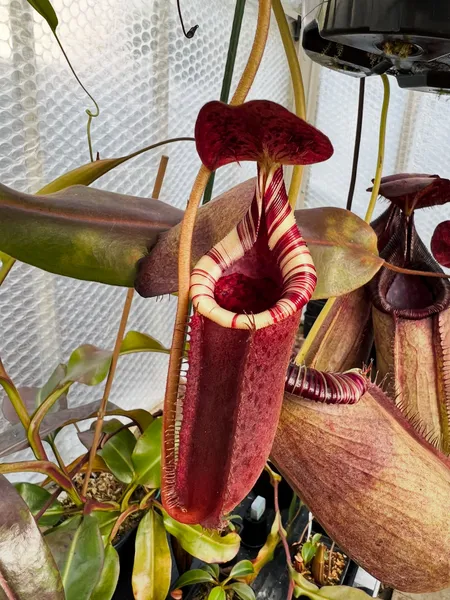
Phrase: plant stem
(14, 396)
(58, 457)
(127, 495)
(301, 356)
(121, 519)
(256, 54)
(298, 88)
(33, 434)
(108, 386)
(187, 226)
(381, 147)
(228, 75)
(120, 335)
(359, 124)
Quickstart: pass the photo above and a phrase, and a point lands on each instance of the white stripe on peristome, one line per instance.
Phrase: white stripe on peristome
(297, 268)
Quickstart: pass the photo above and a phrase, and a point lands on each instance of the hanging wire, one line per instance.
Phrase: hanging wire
(359, 124)
(189, 34)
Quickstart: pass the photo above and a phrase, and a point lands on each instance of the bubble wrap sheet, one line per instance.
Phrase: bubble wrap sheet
(150, 82)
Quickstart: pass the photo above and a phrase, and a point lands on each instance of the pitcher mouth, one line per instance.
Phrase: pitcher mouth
(409, 296)
(266, 244)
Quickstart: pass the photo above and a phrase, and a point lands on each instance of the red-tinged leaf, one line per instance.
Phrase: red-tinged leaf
(259, 130)
(440, 244)
(412, 191)
(27, 568)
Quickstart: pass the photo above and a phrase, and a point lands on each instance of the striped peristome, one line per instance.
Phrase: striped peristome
(328, 388)
(286, 245)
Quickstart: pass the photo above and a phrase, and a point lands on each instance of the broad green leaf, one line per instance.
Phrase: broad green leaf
(152, 563)
(213, 569)
(117, 455)
(106, 520)
(84, 175)
(243, 590)
(45, 9)
(342, 592)
(241, 569)
(77, 547)
(109, 576)
(193, 577)
(88, 364)
(217, 593)
(316, 538)
(344, 249)
(146, 456)
(135, 341)
(83, 233)
(28, 571)
(35, 498)
(204, 544)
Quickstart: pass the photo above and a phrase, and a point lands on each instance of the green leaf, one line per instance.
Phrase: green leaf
(316, 538)
(205, 544)
(213, 569)
(82, 232)
(45, 9)
(78, 550)
(217, 593)
(193, 577)
(109, 576)
(88, 364)
(135, 341)
(35, 498)
(344, 249)
(152, 563)
(243, 590)
(117, 455)
(28, 571)
(106, 520)
(309, 551)
(241, 569)
(342, 592)
(308, 588)
(146, 456)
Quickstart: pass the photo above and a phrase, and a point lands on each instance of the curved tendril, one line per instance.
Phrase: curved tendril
(89, 113)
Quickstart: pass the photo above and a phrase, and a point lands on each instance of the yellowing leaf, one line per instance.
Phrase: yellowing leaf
(152, 564)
